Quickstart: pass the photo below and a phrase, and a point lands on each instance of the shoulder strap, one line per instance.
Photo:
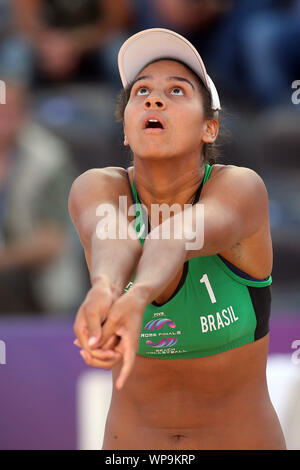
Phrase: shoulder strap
(207, 173)
(134, 192)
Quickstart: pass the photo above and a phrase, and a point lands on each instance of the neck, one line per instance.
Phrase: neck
(173, 181)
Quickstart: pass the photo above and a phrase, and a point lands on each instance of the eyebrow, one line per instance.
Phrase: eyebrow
(180, 79)
(144, 77)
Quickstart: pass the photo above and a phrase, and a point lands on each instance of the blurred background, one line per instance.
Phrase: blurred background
(58, 61)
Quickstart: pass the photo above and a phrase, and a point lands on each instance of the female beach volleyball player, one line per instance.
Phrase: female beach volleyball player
(182, 320)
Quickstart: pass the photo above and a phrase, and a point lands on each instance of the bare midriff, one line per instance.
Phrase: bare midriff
(215, 402)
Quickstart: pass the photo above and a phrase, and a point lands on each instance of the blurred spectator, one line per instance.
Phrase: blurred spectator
(270, 44)
(185, 16)
(39, 256)
(15, 57)
(71, 39)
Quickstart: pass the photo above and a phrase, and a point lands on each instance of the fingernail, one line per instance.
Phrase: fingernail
(92, 341)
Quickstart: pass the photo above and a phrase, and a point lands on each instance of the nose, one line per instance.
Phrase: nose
(154, 102)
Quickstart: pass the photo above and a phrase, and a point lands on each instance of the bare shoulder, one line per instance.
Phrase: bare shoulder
(236, 172)
(236, 180)
(112, 175)
(95, 186)
(95, 180)
(241, 193)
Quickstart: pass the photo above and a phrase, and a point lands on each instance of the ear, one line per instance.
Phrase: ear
(211, 130)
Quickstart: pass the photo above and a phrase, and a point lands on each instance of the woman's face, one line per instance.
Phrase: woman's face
(164, 116)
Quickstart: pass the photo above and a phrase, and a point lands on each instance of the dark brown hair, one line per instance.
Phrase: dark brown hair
(210, 152)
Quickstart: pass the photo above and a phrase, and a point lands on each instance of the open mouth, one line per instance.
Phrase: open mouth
(153, 123)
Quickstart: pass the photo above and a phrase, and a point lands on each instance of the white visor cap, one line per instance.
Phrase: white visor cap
(159, 43)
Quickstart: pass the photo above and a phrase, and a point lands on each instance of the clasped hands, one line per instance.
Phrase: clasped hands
(107, 327)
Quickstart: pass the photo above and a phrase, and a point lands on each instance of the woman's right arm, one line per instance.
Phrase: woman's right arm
(111, 261)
